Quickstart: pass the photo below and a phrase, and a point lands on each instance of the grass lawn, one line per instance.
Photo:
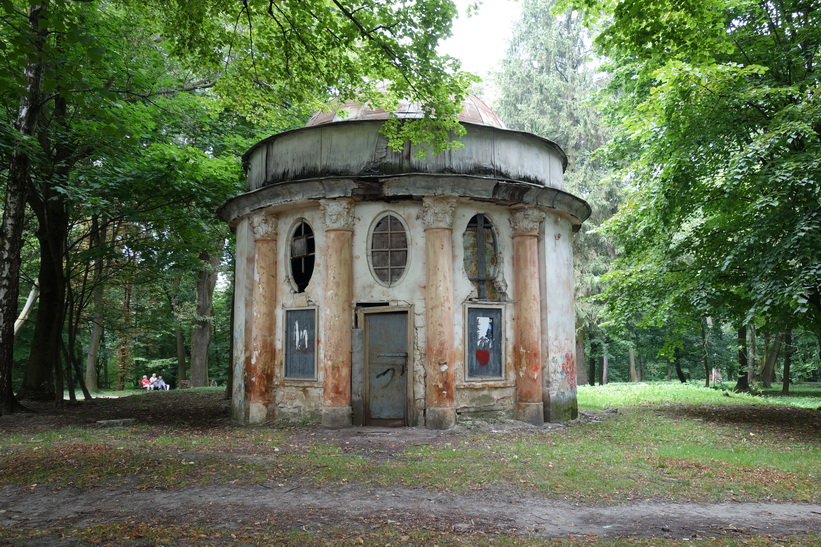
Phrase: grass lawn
(646, 441)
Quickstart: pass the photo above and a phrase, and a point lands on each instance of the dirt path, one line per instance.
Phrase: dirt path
(311, 508)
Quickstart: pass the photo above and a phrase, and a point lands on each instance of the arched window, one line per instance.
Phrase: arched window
(303, 250)
(389, 250)
(480, 248)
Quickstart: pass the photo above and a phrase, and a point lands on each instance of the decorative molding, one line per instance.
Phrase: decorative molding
(526, 220)
(338, 213)
(264, 225)
(437, 212)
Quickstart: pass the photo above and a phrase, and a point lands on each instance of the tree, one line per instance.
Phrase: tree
(547, 84)
(75, 69)
(719, 124)
(201, 336)
(11, 230)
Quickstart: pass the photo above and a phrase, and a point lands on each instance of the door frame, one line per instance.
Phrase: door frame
(362, 314)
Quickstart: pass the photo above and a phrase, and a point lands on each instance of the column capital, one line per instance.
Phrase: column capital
(264, 225)
(438, 211)
(526, 220)
(338, 213)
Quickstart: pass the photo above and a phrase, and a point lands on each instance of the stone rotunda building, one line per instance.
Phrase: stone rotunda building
(376, 288)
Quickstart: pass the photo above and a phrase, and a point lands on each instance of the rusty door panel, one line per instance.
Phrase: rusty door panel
(386, 368)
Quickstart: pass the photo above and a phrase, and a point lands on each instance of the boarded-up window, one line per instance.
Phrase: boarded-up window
(389, 250)
(479, 242)
(302, 255)
(300, 343)
(484, 343)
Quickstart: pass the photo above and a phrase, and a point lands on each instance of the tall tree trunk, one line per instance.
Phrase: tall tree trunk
(767, 373)
(75, 303)
(124, 356)
(677, 360)
(634, 376)
(581, 370)
(24, 315)
(181, 358)
(592, 372)
(17, 182)
(785, 388)
(743, 384)
(641, 368)
(704, 359)
(605, 366)
(96, 237)
(751, 356)
(94, 350)
(45, 357)
(69, 381)
(179, 334)
(74, 361)
(201, 335)
(106, 379)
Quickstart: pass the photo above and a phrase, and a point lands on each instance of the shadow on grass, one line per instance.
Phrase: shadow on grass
(199, 409)
(772, 418)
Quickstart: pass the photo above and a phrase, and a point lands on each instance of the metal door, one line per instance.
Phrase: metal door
(386, 368)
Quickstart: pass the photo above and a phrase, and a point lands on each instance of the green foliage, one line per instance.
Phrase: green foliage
(720, 128)
(547, 83)
(147, 109)
(299, 54)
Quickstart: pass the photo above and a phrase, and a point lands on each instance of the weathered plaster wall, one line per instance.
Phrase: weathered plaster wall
(301, 399)
(407, 292)
(559, 336)
(487, 397)
(497, 170)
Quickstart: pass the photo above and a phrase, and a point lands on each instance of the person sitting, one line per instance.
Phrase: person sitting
(145, 383)
(152, 382)
(161, 385)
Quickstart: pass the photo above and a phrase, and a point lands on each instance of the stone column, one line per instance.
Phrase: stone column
(337, 312)
(527, 358)
(242, 319)
(440, 397)
(263, 322)
(559, 372)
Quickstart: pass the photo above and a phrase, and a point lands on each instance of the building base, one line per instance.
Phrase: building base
(336, 417)
(532, 413)
(261, 412)
(440, 418)
(561, 407)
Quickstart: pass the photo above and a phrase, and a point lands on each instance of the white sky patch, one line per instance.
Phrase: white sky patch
(480, 41)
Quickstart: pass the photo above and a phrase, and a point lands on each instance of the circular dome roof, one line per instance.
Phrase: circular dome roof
(474, 111)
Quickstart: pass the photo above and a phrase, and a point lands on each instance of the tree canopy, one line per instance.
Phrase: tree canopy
(719, 126)
(124, 121)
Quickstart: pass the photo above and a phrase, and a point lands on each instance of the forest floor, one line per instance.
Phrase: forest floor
(86, 492)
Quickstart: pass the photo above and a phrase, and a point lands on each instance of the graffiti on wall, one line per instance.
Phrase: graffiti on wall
(300, 347)
(563, 364)
(484, 353)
